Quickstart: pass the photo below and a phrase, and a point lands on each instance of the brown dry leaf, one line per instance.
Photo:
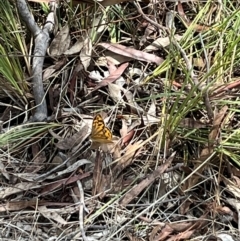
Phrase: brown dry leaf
(86, 52)
(48, 72)
(227, 214)
(104, 185)
(161, 43)
(126, 132)
(231, 187)
(132, 237)
(101, 182)
(127, 158)
(19, 205)
(154, 232)
(181, 227)
(56, 184)
(192, 124)
(43, 1)
(135, 108)
(225, 87)
(132, 53)
(76, 48)
(159, 233)
(37, 164)
(104, 3)
(75, 140)
(115, 93)
(73, 167)
(97, 175)
(187, 22)
(127, 138)
(224, 210)
(185, 206)
(129, 196)
(112, 77)
(124, 129)
(60, 43)
(3, 171)
(151, 118)
(216, 124)
(111, 67)
(149, 30)
(207, 151)
(236, 179)
(182, 236)
(51, 215)
(19, 187)
(109, 56)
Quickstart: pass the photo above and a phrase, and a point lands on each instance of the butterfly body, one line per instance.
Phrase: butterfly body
(100, 133)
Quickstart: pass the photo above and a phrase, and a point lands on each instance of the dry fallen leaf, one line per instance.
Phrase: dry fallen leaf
(132, 53)
(133, 193)
(76, 48)
(115, 93)
(76, 139)
(60, 43)
(19, 187)
(86, 52)
(112, 77)
(161, 43)
(51, 215)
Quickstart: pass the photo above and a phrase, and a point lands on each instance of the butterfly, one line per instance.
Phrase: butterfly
(100, 133)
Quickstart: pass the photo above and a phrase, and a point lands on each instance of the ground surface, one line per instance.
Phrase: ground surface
(142, 137)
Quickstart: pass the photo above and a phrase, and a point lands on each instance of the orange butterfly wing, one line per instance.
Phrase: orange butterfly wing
(100, 133)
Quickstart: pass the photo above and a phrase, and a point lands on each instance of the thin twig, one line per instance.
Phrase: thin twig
(206, 95)
(137, 5)
(81, 208)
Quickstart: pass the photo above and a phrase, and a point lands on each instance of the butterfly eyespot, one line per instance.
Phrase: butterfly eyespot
(100, 133)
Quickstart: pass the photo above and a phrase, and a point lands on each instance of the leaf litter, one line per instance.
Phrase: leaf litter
(172, 167)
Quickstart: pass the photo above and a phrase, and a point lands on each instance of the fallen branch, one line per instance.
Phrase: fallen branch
(41, 43)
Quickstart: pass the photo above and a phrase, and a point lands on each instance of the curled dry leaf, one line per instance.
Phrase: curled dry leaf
(76, 139)
(69, 169)
(112, 77)
(112, 57)
(43, 1)
(135, 108)
(48, 72)
(115, 93)
(191, 123)
(124, 129)
(129, 196)
(3, 171)
(225, 237)
(138, 75)
(150, 117)
(161, 43)
(19, 187)
(59, 183)
(86, 52)
(132, 53)
(51, 215)
(60, 43)
(104, 3)
(76, 48)
(159, 233)
(127, 158)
